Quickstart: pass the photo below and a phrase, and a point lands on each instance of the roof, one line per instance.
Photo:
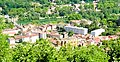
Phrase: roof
(75, 27)
(9, 32)
(96, 39)
(11, 29)
(53, 34)
(53, 41)
(11, 38)
(98, 30)
(25, 36)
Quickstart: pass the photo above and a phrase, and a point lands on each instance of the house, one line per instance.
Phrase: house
(113, 37)
(104, 38)
(65, 35)
(55, 35)
(97, 32)
(11, 32)
(42, 28)
(25, 38)
(54, 41)
(11, 40)
(76, 30)
(43, 35)
(53, 27)
(47, 27)
(34, 38)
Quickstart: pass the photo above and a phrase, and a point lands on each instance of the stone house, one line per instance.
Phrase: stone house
(23, 38)
(11, 32)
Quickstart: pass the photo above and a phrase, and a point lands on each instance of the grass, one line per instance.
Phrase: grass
(43, 21)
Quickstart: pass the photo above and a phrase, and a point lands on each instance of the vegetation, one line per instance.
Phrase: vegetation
(43, 51)
(4, 24)
(106, 15)
(70, 33)
(112, 49)
(5, 52)
(33, 11)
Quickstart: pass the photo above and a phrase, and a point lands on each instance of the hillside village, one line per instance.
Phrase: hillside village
(57, 34)
(59, 30)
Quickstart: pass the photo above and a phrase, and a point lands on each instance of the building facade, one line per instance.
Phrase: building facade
(77, 30)
(97, 32)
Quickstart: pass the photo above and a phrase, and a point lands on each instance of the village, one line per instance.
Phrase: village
(59, 30)
(58, 34)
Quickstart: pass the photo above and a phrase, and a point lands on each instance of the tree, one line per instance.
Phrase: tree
(94, 25)
(74, 16)
(112, 49)
(69, 53)
(5, 52)
(65, 10)
(63, 54)
(41, 51)
(4, 24)
(70, 33)
(90, 54)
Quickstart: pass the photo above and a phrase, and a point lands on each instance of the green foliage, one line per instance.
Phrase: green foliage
(80, 54)
(27, 11)
(65, 10)
(5, 55)
(74, 17)
(89, 7)
(70, 33)
(37, 52)
(43, 51)
(112, 49)
(91, 54)
(4, 24)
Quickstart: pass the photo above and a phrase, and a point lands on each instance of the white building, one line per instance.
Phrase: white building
(27, 38)
(42, 35)
(33, 38)
(97, 32)
(77, 30)
(11, 40)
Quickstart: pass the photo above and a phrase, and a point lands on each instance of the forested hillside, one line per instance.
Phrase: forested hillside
(104, 14)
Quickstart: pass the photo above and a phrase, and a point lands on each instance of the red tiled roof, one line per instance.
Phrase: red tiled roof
(9, 32)
(53, 41)
(26, 36)
(97, 39)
